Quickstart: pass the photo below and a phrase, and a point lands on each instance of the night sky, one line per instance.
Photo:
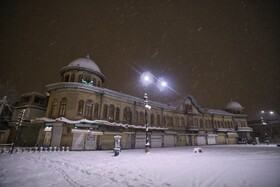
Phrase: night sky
(217, 51)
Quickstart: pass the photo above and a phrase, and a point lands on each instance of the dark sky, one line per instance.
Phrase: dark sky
(217, 51)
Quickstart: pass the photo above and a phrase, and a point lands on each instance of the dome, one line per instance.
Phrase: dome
(234, 106)
(85, 63)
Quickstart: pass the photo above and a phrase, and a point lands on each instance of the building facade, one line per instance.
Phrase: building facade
(83, 115)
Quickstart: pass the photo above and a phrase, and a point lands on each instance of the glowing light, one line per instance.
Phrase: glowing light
(147, 78)
(161, 84)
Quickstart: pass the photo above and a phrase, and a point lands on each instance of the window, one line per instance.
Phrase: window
(88, 109)
(62, 108)
(117, 114)
(105, 111)
(111, 112)
(201, 123)
(94, 81)
(158, 120)
(80, 107)
(183, 121)
(80, 78)
(96, 109)
(66, 79)
(72, 79)
(37, 99)
(141, 122)
(152, 119)
(171, 120)
(177, 122)
(54, 109)
(25, 99)
(127, 115)
(136, 117)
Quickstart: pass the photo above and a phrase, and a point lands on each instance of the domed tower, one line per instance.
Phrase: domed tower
(234, 107)
(82, 70)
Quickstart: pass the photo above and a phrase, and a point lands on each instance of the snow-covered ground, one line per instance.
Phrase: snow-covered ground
(225, 166)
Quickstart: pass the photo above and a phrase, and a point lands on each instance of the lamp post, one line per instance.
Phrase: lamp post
(147, 78)
(264, 122)
(147, 143)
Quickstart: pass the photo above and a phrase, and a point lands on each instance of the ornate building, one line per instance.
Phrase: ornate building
(83, 115)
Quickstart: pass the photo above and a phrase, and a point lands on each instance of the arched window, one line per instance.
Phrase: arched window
(190, 122)
(54, 109)
(136, 117)
(93, 81)
(142, 118)
(127, 115)
(80, 78)
(158, 120)
(118, 114)
(62, 108)
(172, 122)
(152, 119)
(105, 112)
(87, 78)
(72, 79)
(66, 79)
(177, 121)
(201, 123)
(80, 107)
(183, 122)
(88, 109)
(111, 112)
(96, 109)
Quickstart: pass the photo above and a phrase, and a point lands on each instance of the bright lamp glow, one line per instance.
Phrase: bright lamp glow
(146, 78)
(161, 84)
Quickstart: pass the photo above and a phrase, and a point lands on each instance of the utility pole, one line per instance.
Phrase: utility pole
(18, 125)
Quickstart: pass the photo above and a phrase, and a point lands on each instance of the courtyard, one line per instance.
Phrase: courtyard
(216, 166)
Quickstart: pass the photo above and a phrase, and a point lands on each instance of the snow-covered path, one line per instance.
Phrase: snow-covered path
(231, 165)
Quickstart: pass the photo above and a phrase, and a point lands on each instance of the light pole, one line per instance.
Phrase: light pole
(264, 122)
(147, 78)
(147, 107)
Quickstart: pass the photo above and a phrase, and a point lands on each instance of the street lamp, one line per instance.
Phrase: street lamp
(147, 78)
(147, 107)
(264, 122)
